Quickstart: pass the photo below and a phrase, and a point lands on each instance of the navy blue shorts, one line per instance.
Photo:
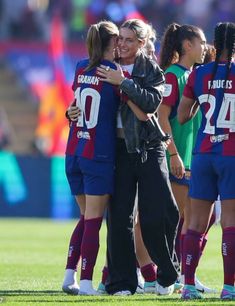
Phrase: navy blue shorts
(89, 177)
(212, 175)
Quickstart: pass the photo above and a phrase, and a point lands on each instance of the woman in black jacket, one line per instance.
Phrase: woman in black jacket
(140, 161)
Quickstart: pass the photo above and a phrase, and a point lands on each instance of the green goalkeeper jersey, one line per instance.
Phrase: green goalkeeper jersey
(183, 135)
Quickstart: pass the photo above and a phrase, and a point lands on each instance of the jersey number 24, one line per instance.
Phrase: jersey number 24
(227, 110)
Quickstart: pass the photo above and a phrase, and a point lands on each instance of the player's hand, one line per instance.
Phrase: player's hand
(110, 75)
(73, 112)
(177, 166)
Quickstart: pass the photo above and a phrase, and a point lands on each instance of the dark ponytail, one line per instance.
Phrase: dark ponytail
(172, 42)
(168, 46)
(224, 39)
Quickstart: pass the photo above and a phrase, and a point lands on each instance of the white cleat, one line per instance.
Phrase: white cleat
(160, 290)
(202, 288)
(150, 287)
(72, 289)
(199, 286)
(122, 293)
(139, 289)
(86, 288)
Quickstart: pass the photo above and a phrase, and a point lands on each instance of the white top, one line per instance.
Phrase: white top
(128, 68)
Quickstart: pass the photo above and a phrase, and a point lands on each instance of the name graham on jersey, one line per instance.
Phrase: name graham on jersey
(94, 80)
(220, 84)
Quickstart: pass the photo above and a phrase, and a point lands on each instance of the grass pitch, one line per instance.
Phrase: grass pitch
(32, 259)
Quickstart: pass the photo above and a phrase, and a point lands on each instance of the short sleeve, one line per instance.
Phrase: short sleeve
(189, 87)
(171, 90)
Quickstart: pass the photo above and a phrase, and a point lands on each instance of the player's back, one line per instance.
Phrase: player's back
(217, 102)
(93, 135)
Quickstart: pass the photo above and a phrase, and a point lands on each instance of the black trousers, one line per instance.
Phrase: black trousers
(158, 214)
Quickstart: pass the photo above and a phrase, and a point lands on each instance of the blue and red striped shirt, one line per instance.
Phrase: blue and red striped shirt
(217, 130)
(93, 135)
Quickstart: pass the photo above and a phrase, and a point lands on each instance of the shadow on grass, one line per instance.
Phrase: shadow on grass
(29, 292)
(60, 297)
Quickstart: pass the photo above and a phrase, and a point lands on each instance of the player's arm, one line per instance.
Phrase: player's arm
(170, 97)
(187, 109)
(176, 163)
(164, 113)
(188, 106)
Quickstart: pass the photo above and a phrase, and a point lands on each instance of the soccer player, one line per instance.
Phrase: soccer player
(90, 153)
(182, 47)
(211, 88)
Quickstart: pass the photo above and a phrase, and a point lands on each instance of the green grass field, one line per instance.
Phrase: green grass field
(32, 260)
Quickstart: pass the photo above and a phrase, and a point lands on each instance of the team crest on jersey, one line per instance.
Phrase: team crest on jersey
(167, 90)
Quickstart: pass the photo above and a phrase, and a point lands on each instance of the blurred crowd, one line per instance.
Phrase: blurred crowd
(30, 19)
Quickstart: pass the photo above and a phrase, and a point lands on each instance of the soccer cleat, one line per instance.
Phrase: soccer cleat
(139, 289)
(150, 287)
(160, 290)
(86, 288)
(72, 289)
(202, 288)
(228, 293)
(190, 292)
(178, 286)
(199, 286)
(101, 288)
(122, 293)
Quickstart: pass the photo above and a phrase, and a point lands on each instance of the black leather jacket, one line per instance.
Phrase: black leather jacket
(145, 90)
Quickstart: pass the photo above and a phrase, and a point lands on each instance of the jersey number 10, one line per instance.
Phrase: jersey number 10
(89, 118)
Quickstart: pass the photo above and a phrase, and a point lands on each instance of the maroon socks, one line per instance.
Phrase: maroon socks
(90, 247)
(228, 253)
(191, 255)
(75, 245)
(149, 272)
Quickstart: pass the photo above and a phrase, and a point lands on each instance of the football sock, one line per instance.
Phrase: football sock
(75, 245)
(149, 272)
(90, 247)
(105, 272)
(191, 254)
(228, 253)
(182, 236)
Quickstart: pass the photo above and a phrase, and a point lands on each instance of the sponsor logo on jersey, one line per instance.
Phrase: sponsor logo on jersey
(219, 138)
(167, 90)
(84, 135)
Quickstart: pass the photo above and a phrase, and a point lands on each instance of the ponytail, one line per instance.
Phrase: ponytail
(172, 42)
(168, 46)
(93, 42)
(98, 39)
